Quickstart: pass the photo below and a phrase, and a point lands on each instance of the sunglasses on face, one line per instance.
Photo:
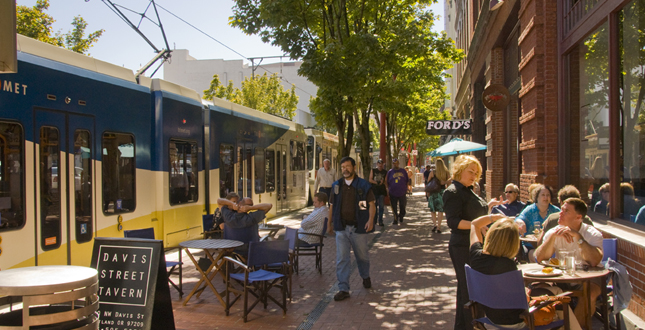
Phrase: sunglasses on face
(509, 192)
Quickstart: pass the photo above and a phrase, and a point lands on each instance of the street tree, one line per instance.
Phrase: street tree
(33, 22)
(357, 53)
(264, 93)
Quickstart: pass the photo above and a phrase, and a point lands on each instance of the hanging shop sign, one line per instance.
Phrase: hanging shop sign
(496, 97)
(447, 127)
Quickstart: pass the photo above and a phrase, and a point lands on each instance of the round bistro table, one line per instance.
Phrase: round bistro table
(40, 286)
(224, 247)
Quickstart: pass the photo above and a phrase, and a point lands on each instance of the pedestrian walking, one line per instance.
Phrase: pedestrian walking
(325, 177)
(351, 214)
(377, 179)
(396, 184)
(435, 200)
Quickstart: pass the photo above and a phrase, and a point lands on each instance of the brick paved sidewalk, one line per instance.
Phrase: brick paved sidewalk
(413, 285)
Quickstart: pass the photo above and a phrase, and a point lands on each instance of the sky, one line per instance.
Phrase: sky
(121, 45)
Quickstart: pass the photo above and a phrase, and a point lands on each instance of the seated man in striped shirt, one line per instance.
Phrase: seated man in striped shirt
(313, 224)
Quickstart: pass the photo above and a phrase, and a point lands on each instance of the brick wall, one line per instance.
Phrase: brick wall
(538, 94)
(496, 131)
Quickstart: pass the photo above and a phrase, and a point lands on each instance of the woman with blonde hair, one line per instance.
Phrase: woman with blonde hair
(495, 256)
(462, 206)
(435, 200)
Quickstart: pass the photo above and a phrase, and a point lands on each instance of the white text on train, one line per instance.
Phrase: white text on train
(11, 87)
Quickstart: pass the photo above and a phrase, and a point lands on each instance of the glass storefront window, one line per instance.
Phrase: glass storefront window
(588, 90)
(631, 48)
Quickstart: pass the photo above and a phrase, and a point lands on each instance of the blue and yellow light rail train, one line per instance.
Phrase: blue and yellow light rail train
(87, 151)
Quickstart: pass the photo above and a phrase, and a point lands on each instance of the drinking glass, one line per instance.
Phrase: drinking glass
(537, 228)
(570, 266)
(562, 255)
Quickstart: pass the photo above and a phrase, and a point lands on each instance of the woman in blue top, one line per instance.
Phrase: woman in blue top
(538, 211)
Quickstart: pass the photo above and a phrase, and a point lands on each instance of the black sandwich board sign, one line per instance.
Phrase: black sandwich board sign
(133, 284)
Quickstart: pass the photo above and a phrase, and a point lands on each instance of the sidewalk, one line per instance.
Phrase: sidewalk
(413, 285)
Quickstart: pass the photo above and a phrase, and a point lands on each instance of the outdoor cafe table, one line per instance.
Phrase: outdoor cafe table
(50, 297)
(581, 276)
(529, 239)
(224, 246)
(273, 229)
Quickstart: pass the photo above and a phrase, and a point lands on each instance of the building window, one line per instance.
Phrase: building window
(183, 172)
(270, 170)
(632, 95)
(119, 173)
(225, 170)
(589, 114)
(260, 170)
(12, 154)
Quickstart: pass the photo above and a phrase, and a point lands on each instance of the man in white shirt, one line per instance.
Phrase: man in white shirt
(314, 223)
(325, 178)
(584, 240)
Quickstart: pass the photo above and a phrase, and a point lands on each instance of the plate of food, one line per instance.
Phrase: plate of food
(544, 272)
(553, 262)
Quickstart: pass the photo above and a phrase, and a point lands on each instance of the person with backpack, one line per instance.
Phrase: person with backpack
(377, 179)
(438, 178)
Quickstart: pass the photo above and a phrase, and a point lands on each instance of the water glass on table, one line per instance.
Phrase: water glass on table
(537, 228)
(570, 266)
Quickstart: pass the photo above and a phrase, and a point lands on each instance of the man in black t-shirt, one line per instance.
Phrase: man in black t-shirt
(377, 179)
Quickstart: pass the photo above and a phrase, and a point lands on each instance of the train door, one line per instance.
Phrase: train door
(64, 177)
(281, 170)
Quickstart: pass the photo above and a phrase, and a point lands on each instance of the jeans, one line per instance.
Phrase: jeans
(380, 207)
(401, 201)
(345, 240)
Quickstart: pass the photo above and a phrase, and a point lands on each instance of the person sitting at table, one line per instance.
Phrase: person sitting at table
(238, 215)
(495, 256)
(512, 206)
(314, 223)
(564, 193)
(572, 234)
(537, 212)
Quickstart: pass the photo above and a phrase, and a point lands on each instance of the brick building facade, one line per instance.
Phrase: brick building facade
(575, 71)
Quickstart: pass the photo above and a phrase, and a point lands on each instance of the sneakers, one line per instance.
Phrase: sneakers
(367, 283)
(341, 295)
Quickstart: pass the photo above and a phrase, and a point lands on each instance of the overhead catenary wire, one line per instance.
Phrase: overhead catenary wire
(229, 48)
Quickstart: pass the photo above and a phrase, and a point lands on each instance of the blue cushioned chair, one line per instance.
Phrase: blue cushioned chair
(603, 307)
(208, 222)
(255, 279)
(245, 235)
(306, 249)
(505, 291)
(175, 266)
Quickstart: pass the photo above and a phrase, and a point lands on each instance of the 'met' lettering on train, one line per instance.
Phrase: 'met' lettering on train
(14, 87)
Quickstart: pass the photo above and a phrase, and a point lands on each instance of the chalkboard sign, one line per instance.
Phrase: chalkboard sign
(133, 284)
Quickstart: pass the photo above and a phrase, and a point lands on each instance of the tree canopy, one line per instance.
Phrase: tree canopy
(264, 93)
(364, 56)
(33, 22)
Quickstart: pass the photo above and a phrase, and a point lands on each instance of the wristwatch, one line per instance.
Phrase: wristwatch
(580, 241)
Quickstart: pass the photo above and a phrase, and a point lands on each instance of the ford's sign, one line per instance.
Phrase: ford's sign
(447, 127)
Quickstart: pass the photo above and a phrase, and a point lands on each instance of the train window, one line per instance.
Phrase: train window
(240, 172)
(119, 173)
(50, 218)
(83, 185)
(260, 170)
(318, 153)
(12, 208)
(310, 153)
(183, 172)
(226, 153)
(249, 172)
(297, 155)
(270, 170)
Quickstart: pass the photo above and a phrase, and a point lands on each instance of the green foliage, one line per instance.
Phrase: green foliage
(364, 56)
(33, 22)
(264, 93)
